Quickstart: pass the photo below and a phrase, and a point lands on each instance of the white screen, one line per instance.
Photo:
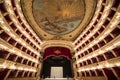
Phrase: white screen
(56, 72)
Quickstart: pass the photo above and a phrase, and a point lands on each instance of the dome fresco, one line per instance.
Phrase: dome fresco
(58, 16)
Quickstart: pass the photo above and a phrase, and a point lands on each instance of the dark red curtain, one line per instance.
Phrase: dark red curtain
(57, 51)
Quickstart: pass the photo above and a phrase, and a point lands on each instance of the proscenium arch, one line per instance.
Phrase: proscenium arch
(57, 57)
(58, 43)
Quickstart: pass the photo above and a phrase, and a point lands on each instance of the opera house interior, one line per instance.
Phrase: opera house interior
(59, 39)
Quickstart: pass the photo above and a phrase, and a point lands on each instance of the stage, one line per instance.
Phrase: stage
(58, 79)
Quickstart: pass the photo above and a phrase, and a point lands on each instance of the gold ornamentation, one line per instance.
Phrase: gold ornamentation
(57, 52)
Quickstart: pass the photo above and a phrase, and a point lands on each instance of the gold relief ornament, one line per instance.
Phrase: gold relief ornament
(57, 52)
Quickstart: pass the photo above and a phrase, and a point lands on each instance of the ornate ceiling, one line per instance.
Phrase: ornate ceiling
(58, 19)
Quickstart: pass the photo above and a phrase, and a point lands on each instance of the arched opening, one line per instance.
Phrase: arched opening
(57, 63)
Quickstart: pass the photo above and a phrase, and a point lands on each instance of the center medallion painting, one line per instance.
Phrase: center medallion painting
(58, 16)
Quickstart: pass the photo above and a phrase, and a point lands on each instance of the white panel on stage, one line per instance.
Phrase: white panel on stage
(56, 72)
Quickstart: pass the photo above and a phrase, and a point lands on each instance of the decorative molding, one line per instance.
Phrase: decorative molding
(61, 43)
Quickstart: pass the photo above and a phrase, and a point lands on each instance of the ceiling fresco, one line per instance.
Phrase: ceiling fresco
(58, 17)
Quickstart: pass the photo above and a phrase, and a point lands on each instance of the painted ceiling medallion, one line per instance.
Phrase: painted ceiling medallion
(58, 16)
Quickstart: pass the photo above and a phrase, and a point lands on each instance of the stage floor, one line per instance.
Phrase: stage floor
(58, 79)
